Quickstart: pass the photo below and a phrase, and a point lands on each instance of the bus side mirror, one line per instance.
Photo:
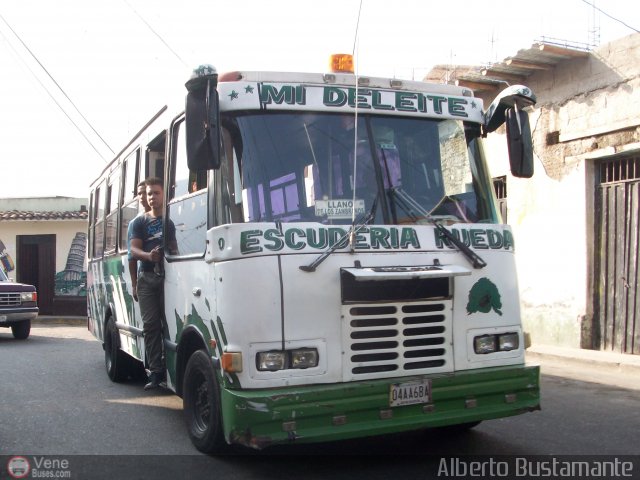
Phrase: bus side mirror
(202, 112)
(507, 108)
(519, 142)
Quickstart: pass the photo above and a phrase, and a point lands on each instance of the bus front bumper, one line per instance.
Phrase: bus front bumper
(328, 412)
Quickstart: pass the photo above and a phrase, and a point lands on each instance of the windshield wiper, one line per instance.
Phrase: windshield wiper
(351, 235)
(415, 211)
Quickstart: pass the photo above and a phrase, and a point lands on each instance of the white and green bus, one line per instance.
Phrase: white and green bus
(341, 268)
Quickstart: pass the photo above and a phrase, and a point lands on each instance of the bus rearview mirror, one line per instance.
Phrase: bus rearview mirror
(519, 142)
(203, 125)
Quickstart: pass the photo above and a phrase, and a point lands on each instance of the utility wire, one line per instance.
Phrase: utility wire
(51, 96)
(611, 17)
(156, 34)
(355, 127)
(54, 81)
(355, 37)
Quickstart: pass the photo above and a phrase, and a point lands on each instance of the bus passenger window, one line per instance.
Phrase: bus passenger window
(155, 157)
(130, 205)
(182, 181)
(187, 207)
(98, 239)
(197, 181)
(113, 194)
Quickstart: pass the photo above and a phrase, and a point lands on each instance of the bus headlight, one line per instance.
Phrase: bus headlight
(304, 358)
(271, 361)
(484, 344)
(504, 342)
(508, 341)
(274, 360)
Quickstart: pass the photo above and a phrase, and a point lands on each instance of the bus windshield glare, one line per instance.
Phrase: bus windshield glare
(299, 167)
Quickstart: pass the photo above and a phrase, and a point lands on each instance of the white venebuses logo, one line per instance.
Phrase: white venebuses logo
(18, 467)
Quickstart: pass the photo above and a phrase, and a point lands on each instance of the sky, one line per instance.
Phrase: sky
(79, 77)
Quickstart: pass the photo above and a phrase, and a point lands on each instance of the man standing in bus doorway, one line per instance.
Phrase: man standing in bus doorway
(141, 193)
(146, 246)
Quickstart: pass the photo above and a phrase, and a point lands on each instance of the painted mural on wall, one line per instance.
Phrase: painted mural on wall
(6, 262)
(72, 281)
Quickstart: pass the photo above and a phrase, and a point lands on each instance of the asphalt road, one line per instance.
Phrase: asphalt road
(56, 402)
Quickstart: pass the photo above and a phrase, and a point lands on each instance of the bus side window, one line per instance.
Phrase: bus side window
(229, 194)
(154, 165)
(130, 203)
(113, 197)
(98, 239)
(92, 225)
(187, 207)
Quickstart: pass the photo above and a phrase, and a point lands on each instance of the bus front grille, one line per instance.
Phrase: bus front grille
(397, 339)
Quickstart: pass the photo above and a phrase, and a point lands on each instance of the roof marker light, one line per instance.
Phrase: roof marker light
(341, 63)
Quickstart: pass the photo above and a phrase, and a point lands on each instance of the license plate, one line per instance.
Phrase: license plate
(409, 393)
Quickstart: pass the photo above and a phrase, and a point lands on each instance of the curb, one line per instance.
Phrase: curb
(55, 320)
(592, 359)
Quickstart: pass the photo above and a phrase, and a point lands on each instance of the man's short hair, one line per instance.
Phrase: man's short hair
(153, 181)
(142, 183)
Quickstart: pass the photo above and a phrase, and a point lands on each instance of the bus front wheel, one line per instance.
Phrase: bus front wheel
(201, 401)
(115, 360)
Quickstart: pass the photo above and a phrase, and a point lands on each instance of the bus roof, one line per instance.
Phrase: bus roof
(244, 91)
(344, 79)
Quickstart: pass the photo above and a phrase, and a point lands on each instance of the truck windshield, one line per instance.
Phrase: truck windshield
(307, 167)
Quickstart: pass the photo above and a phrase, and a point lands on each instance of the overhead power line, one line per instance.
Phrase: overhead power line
(57, 85)
(611, 17)
(164, 42)
(355, 37)
(53, 98)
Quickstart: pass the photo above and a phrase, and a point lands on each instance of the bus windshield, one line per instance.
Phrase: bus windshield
(307, 167)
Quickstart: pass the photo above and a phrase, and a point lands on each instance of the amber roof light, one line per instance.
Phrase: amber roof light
(341, 63)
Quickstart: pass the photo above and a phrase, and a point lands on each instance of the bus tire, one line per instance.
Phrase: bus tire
(115, 360)
(21, 329)
(201, 403)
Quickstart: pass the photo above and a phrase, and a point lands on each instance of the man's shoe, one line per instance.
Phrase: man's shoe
(154, 381)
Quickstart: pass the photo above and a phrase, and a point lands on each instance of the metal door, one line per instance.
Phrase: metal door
(616, 303)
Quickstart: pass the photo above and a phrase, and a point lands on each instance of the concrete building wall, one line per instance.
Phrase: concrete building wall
(64, 230)
(61, 281)
(588, 109)
(44, 204)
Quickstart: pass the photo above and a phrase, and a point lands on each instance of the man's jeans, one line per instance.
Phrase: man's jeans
(151, 300)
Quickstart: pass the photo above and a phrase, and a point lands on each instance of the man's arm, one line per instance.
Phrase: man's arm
(138, 253)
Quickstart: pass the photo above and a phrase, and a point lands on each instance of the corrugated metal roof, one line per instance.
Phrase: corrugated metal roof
(31, 216)
(541, 55)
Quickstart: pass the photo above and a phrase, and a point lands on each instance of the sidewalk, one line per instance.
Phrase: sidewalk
(592, 359)
(59, 320)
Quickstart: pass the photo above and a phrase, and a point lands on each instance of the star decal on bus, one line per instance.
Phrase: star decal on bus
(233, 95)
(248, 89)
